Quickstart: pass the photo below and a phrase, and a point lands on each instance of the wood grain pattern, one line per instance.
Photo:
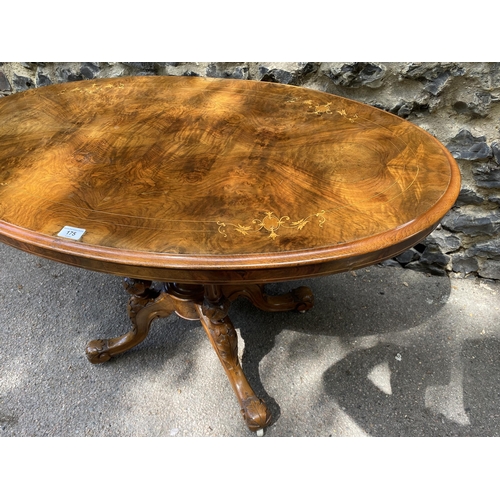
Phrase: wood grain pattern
(203, 180)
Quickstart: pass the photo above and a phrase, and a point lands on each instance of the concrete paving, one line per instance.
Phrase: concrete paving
(384, 352)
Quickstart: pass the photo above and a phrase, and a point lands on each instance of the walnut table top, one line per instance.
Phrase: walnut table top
(207, 180)
(212, 188)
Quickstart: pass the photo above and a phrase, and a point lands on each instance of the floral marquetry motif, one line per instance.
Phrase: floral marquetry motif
(344, 114)
(270, 223)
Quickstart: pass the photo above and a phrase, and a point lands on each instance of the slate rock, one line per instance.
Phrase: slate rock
(408, 256)
(473, 222)
(437, 85)
(42, 80)
(479, 107)
(432, 261)
(357, 74)
(22, 83)
(487, 175)
(289, 73)
(215, 70)
(432, 255)
(464, 146)
(494, 199)
(66, 75)
(405, 110)
(468, 196)
(488, 249)
(161, 64)
(430, 71)
(445, 241)
(402, 109)
(435, 76)
(5, 87)
(495, 149)
(240, 73)
(490, 269)
(144, 67)
(464, 264)
(494, 74)
(308, 68)
(89, 70)
(277, 75)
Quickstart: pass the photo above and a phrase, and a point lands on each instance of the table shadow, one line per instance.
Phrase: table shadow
(404, 412)
(347, 307)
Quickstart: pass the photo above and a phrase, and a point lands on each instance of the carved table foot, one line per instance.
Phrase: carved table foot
(224, 340)
(299, 299)
(145, 305)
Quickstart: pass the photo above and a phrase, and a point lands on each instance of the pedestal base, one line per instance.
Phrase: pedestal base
(210, 305)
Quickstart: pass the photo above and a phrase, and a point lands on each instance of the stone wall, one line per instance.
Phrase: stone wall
(456, 102)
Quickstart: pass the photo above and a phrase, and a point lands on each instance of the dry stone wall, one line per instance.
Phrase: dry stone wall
(456, 102)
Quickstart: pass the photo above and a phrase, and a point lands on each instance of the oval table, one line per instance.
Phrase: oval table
(211, 188)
